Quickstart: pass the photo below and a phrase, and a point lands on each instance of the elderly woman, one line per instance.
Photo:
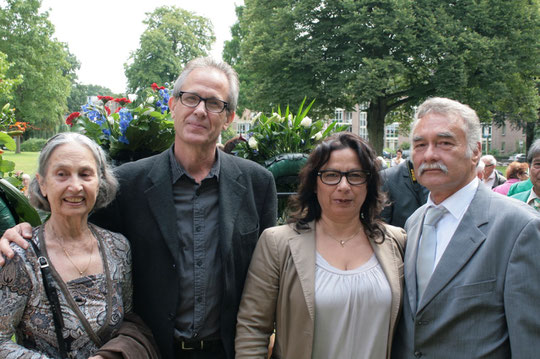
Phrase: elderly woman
(515, 172)
(330, 281)
(89, 268)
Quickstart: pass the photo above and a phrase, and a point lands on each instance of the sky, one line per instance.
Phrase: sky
(103, 33)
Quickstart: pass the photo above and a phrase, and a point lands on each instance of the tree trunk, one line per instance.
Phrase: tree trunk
(376, 113)
(529, 135)
(18, 144)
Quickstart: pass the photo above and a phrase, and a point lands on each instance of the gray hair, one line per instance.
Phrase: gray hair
(490, 159)
(534, 151)
(108, 184)
(209, 62)
(480, 167)
(446, 106)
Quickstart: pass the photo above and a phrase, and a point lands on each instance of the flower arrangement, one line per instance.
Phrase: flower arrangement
(125, 129)
(284, 133)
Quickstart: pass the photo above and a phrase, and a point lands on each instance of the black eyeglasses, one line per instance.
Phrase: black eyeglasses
(193, 100)
(354, 177)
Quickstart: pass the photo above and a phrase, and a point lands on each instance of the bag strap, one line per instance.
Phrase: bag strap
(52, 296)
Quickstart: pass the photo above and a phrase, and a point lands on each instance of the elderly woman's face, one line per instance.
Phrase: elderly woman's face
(341, 202)
(71, 182)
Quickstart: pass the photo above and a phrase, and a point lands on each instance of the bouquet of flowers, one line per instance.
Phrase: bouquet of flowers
(284, 133)
(124, 129)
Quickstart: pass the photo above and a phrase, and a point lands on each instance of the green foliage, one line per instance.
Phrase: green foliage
(227, 134)
(46, 65)
(284, 133)
(33, 144)
(390, 55)
(405, 146)
(173, 36)
(7, 85)
(5, 165)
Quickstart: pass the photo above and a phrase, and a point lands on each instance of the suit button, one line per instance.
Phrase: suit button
(418, 354)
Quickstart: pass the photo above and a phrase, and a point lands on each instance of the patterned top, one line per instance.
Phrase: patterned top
(26, 312)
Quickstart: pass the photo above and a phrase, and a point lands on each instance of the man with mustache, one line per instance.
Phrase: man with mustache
(472, 280)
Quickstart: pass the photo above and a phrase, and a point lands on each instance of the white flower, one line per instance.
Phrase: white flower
(148, 112)
(317, 136)
(253, 144)
(150, 99)
(256, 117)
(306, 122)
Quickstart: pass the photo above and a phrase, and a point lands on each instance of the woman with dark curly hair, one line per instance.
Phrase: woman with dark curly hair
(329, 282)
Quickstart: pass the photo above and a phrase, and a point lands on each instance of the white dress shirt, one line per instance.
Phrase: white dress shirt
(490, 180)
(456, 205)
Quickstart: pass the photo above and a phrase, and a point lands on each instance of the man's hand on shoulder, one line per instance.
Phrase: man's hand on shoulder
(18, 235)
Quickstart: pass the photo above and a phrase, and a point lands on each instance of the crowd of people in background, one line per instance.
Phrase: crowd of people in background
(178, 255)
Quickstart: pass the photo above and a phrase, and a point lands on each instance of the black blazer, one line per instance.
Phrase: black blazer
(144, 212)
(404, 195)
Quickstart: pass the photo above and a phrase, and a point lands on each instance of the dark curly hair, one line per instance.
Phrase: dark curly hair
(304, 206)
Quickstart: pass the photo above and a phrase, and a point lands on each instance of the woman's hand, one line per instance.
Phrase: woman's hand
(96, 357)
(16, 234)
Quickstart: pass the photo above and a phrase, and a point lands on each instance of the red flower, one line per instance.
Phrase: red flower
(105, 99)
(108, 110)
(117, 109)
(70, 118)
(122, 101)
(155, 87)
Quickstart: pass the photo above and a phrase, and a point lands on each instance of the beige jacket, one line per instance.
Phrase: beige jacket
(280, 288)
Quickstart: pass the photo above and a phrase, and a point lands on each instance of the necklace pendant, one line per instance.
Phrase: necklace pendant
(342, 242)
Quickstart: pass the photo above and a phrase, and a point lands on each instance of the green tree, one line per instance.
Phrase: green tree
(46, 65)
(173, 37)
(7, 85)
(80, 92)
(389, 55)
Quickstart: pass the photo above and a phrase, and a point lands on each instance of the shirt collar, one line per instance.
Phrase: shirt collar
(532, 196)
(458, 203)
(177, 170)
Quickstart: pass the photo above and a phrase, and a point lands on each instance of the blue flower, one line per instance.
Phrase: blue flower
(123, 139)
(106, 132)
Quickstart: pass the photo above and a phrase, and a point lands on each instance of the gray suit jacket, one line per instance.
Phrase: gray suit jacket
(144, 212)
(482, 300)
(404, 196)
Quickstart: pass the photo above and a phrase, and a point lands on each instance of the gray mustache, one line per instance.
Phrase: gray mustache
(432, 166)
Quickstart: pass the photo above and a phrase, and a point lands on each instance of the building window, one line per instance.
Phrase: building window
(243, 127)
(503, 129)
(339, 115)
(348, 117)
(362, 125)
(503, 145)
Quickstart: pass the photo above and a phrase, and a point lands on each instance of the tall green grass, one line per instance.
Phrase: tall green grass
(24, 161)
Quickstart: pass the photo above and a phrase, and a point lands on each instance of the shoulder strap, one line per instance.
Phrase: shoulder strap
(52, 296)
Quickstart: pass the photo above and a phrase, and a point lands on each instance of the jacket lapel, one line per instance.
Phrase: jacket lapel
(303, 252)
(231, 193)
(160, 200)
(464, 243)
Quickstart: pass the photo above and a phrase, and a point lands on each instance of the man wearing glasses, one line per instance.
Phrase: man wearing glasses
(492, 177)
(193, 216)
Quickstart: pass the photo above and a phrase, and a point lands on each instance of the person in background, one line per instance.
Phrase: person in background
(492, 177)
(193, 215)
(480, 171)
(25, 183)
(398, 159)
(329, 282)
(91, 267)
(382, 163)
(405, 195)
(532, 196)
(472, 278)
(515, 172)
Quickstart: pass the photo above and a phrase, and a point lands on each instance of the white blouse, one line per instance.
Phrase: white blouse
(352, 311)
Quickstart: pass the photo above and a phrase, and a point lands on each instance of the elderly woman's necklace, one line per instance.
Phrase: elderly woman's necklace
(81, 271)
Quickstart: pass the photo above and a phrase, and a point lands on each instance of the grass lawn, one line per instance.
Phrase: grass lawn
(24, 161)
